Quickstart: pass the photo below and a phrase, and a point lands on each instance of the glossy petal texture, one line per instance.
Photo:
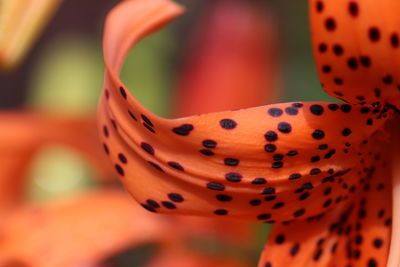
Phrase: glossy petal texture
(240, 42)
(77, 231)
(22, 134)
(355, 233)
(268, 163)
(21, 21)
(357, 49)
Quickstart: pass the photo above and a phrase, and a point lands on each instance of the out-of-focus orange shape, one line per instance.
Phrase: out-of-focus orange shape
(80, 231)
(22, 134)
(21, 21)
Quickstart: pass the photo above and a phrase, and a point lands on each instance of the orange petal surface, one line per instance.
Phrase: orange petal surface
(357, 49)
(259, 163)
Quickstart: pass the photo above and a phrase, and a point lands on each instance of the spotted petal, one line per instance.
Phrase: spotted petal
(357, 49)
(355, 233)
(269, 163)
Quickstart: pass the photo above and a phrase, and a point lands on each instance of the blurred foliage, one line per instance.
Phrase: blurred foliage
(67, 77)
(57, 171)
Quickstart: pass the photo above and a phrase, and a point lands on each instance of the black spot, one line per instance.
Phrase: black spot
(330, 24)
(255, 202)
(146, 120)
(275, 112)
(228, 124)
(338, 81)
(206, 152)
(269, 198)
(374, 34)
(299, 213)
(153, 203)
(322, 48)
(387, 79)
(280, 239)
(132, 116)
(183, 130)
(326, 69)
(295, 249)
(346, 132)
(268, 191)
(278, 157)
(304, 196)
(105, 131)
(147, 147)
(119, 169)
(352, 63)
(394, 40)
(223, 198)
(231, 162)
(315, 158)
(346, 108)
(259, 180)
(209, 143)
(277, 164)
(317, 109)
(175, 165)
(278, 205)
(168, 205)
(220, 212)
(318, 134)
(323, 147)
(105, 147)
(264, 216)
(122, 91)
(122, 158)
(372, 263)
(215, 186)
(271, 136)
(378, 242)
(147, 207)
(175, 197)
(315, 171)
(317, 254)
(156, 166)
(233, 177)
(291, 111)
(284, 127)
(319, 6)
(270, 148)
(333, 107)
(148, 127)
(353, 9)
(365, 61)
(338, 50)
(294, 176)
(292, 153)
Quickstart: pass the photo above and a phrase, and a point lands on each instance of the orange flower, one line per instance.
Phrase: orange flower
(321, 170)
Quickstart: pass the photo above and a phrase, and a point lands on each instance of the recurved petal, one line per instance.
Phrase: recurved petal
(269, 163)
(21, 21)
(357, 49)
(355, 233)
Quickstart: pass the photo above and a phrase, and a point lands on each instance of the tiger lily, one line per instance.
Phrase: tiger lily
(324, 172)
(21, 22)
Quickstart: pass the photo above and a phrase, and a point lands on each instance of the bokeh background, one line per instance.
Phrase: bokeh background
(63, 72)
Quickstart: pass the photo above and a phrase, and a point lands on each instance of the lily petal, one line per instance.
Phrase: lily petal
(267, 163)
(22, 134)
(20, 22)
(355, 233)
(77, 231)
(357, 49)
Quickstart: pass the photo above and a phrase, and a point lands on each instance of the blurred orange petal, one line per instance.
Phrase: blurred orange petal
(22, 134)
(80, 231)
(21, 21)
